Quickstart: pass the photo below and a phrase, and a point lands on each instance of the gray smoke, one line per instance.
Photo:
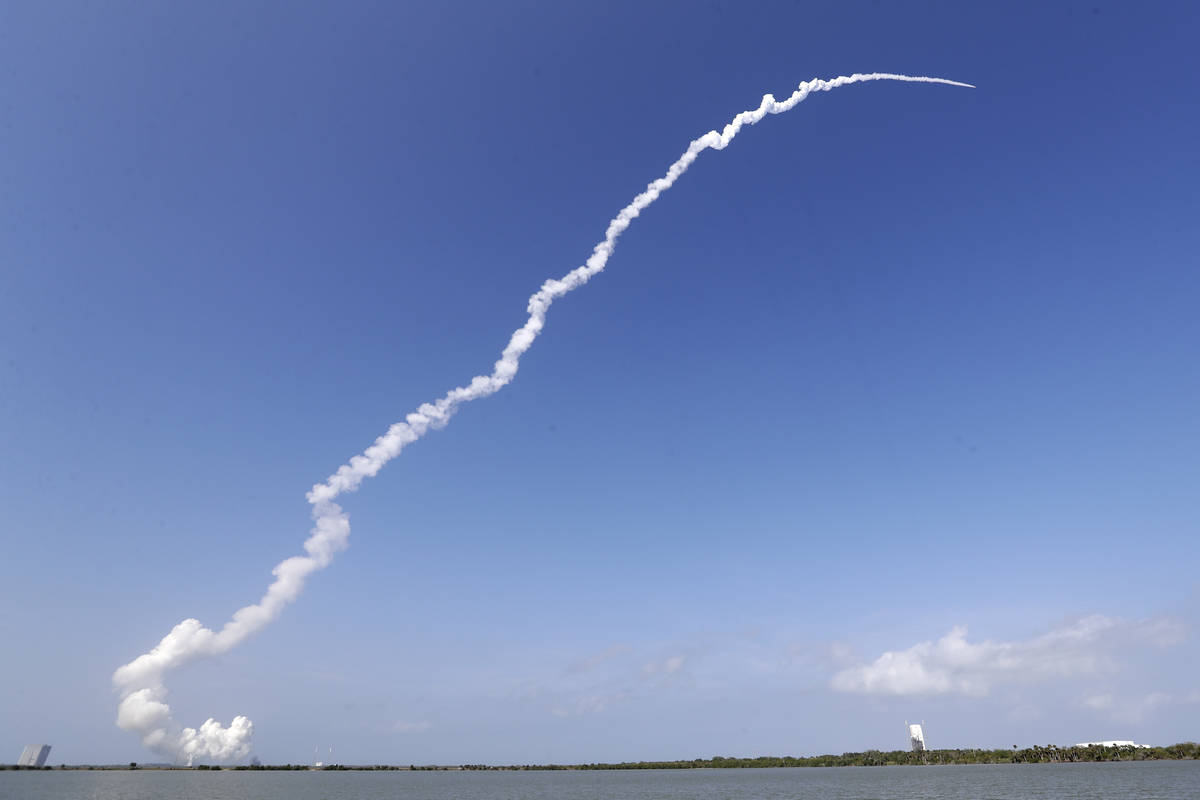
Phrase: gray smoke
(143, 708)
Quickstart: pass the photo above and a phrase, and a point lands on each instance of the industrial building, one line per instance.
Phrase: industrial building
(34, 755)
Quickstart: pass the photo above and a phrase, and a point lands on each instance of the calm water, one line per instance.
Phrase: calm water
(1167, 780)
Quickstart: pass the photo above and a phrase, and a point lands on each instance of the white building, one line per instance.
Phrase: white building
(916, 738)
(1111, 743)
(34, 755)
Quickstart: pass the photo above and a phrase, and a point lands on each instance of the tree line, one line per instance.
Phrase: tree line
(1038, 754)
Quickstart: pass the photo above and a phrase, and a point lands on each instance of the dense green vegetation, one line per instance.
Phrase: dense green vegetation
(877, 758)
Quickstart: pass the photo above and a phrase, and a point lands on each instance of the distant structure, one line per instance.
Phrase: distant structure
(1111, 743)
(916, 737)
(34, 755)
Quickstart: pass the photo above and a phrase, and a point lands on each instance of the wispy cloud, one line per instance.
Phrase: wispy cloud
(954, 665)
(589, 704)
(591, 662)
(404, 726)
(595, 682)
(1134, 710)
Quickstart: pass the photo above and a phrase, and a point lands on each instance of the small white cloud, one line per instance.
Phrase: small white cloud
(404, 726)
(953, 665)
(1099, 702)
(665, 667)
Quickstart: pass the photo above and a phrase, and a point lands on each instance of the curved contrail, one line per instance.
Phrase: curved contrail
(143, 708)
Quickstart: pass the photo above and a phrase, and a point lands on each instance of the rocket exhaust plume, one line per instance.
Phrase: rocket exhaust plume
(143, 708)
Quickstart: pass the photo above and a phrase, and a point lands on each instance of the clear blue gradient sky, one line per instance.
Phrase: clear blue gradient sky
(904, 360)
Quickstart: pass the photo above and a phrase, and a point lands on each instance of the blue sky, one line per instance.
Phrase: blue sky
(904, 360)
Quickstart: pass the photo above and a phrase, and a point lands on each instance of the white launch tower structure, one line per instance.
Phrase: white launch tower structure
(34, 755)
(916, 737)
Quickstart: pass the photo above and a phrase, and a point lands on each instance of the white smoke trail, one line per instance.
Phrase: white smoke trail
(143, 708)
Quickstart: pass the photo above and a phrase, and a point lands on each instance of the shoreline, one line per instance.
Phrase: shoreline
(1049, 754)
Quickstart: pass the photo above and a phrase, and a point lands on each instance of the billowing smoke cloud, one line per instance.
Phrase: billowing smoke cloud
(143, 708)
